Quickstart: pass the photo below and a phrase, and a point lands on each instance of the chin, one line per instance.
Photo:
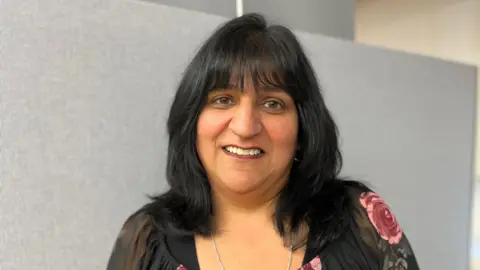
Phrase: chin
(242, 186)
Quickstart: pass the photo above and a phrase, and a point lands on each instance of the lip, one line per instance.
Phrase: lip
(241, 156)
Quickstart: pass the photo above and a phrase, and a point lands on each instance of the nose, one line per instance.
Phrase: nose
(246, 120)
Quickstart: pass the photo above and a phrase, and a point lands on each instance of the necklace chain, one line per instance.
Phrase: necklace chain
(223, 268)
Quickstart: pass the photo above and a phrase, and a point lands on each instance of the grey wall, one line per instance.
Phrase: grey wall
(407, 127)
(84, 91)
(327, 17)
(226, 8)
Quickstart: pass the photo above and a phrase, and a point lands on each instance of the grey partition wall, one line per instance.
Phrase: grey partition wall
(407, 127)
(332, 18)
(327, 17)
(85, 87)
(225, 8)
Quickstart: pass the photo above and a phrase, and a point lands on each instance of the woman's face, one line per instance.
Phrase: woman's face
(246, 139)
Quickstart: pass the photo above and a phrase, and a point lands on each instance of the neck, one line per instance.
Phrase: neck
(239, 211)
(232, 214)
(250, 221)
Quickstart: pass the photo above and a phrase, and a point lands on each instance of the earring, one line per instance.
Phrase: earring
(295, 158)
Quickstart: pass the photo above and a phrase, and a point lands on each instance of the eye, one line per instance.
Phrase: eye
(273, 104)
(223, 101)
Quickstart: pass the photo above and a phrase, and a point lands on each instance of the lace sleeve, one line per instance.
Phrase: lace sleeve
(381, 232)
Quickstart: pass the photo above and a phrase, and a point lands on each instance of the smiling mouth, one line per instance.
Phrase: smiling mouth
(242, 152)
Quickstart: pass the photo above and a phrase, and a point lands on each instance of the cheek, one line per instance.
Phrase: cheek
(283, 132)
(209, 126)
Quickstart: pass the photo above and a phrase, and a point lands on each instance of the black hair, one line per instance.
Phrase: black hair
(314, 194)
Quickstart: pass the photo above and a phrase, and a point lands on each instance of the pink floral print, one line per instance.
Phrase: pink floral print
(314, 264)
(381, 217)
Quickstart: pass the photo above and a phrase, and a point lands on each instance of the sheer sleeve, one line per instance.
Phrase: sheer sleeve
(131, 243)
(380, 231)
(140, 246)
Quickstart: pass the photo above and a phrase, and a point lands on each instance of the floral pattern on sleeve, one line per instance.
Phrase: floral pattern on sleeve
(314, 264)
(381, 217)
(396, 250)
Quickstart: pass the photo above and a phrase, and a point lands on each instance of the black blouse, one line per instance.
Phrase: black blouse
(374, 240)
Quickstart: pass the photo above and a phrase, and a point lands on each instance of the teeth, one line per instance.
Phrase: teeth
(243, 152)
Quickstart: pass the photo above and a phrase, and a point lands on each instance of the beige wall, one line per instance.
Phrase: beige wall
(448, 29)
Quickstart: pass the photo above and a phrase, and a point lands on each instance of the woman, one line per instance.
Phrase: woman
(253, 163)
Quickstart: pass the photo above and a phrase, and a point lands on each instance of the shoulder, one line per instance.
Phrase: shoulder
(371, 236)
(141, 245)
(137, 227)
(379, 229)
(373, 212)
(132, 242)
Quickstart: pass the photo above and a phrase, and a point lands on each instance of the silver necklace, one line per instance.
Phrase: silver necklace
(223, 268)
